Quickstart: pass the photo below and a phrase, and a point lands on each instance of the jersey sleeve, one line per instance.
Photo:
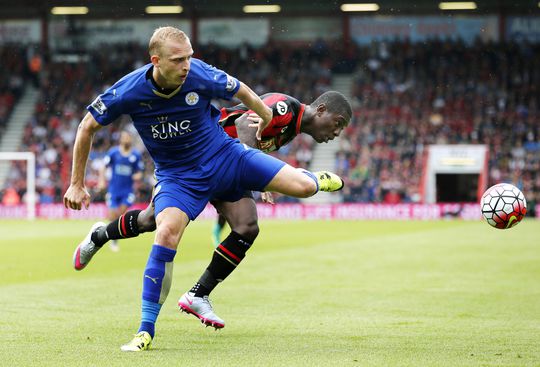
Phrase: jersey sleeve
(283, 111)
(221, 84)
(107, 107)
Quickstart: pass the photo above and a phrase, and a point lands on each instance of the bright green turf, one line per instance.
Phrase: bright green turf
(446, 293)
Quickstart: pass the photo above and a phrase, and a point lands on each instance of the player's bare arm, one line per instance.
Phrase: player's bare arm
(77, 195)
(255, 103)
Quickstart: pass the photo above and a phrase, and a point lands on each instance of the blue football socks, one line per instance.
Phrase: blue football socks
(156, 285)
(150, 312)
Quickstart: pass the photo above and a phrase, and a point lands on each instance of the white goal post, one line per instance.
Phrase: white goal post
(30, 159)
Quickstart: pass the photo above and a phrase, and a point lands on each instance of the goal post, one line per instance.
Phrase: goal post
(30, 159)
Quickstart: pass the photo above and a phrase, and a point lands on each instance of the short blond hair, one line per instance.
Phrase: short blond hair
(162, 34)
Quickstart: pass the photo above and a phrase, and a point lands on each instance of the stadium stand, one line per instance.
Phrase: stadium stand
(405, 96)
(67, 88)
(13, 76)
(410, 95)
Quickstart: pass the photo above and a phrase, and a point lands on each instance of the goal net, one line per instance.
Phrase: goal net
(5, 165)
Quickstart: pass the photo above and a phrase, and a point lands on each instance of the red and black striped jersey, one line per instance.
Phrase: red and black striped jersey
(283, 127)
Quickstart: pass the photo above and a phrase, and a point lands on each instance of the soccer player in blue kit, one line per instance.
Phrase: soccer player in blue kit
(196, 161)
(126, 166)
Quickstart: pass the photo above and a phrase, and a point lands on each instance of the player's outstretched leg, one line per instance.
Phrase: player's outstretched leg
(86, 249)
(302, 183)
(128, 225)
(125, 226)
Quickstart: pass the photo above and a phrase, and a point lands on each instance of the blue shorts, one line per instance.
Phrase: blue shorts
(116, 200)
(226, 177)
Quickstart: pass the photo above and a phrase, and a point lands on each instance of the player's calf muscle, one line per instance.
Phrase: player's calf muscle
(146, 220)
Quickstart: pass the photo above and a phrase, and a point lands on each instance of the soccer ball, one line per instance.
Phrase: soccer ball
(503, 206)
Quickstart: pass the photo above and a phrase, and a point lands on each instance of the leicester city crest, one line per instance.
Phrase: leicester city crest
(192, 98)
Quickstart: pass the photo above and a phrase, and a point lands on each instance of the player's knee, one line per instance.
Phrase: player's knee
(249, 230)
(168, 235)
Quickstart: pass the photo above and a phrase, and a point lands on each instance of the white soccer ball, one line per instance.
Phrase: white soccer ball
(503, 206)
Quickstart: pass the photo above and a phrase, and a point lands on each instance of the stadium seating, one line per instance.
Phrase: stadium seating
(13, 76)
(67, 88)
(409, 95)
(405, 96)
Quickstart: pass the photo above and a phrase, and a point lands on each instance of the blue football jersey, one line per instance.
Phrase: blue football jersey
(122, 167)
(180, 129)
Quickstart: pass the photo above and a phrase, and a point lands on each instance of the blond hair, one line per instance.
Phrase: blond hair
(162, 34)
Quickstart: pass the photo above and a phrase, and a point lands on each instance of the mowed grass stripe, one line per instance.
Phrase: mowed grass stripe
(433, 296)
(33, 251)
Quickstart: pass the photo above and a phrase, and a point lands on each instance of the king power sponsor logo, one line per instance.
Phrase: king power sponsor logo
(165, 129)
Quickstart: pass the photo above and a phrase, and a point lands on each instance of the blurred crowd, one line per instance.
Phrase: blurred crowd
(68, 86)
(405, 96)
(13, 76)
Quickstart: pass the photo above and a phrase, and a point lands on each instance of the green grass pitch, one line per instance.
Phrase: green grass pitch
(314, 293)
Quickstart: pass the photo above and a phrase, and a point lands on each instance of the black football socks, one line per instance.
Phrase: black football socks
(124, 227)
(227, 256)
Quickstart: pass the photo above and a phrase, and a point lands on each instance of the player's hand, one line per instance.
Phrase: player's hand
(254, 118)
(267, 197)
(256, 121)
(75, 197)
(262, 122)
